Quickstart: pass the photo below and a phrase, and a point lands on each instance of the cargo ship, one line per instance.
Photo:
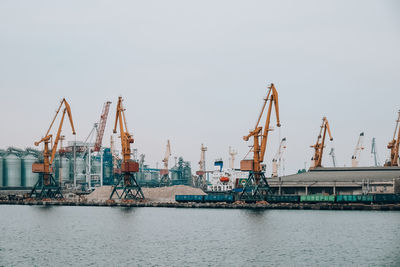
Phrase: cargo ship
(225, 180)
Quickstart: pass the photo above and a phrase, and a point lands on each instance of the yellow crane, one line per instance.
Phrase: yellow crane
(257, 186)
(316, 160)
(130, 187)
(46, 186)
(394, 145)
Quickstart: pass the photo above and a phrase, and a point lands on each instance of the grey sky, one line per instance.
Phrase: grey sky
(196, 72)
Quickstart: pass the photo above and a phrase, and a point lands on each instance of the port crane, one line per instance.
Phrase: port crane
(201, 173)
(374, 152)
(278, 158)
(333, 155)
(165, 180)
(355, 158)
(256, 187)
(46, 186)
(130, 187)
(394, 145)
(233, 154)
(316, 160)
(98, 128)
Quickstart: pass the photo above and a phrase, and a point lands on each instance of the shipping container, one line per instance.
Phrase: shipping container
(218, 198)
(387, 198)
(189, 198)
(317, 198)
(354, 198)
(284, 198)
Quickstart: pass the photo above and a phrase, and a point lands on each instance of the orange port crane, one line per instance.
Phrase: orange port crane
(320, 144)
(394, 145)
(130, 188)
(46, 186)
(256, 181)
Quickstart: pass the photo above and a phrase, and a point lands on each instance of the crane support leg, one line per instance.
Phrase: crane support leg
(42, 189)
(256, 188)
(165, 180)
(130, 189)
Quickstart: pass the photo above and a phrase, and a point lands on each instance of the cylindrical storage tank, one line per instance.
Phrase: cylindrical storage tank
(174, 176)
(96, 165)
(65, 164)
(155, 175)
(12, 170)
(1, 170)
(62, 167)
(80, 169)
(28, 177)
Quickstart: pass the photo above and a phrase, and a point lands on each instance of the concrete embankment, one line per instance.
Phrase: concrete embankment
(300, 206)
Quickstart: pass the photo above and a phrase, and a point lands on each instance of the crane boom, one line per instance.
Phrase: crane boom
(276, 161)
(102, 126)
(49, 158)
(355, 158)
(332, 154)
(319, 145)
(167, 155)
(126, 137)
(394, 145)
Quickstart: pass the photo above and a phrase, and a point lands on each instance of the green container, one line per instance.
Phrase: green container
(354, 198)
(387, 198)
(277, 199)
(317, 198)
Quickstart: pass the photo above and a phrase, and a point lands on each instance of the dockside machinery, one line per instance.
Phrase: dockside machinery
(256, 187)
(129, 189)
(316, 160)
(46, 186)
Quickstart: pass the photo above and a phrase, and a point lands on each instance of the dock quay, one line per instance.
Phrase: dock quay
(288, 206)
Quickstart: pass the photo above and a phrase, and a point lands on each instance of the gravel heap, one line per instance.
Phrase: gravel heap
(156, 194)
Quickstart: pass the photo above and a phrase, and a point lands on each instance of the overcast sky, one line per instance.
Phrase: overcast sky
(197, 71)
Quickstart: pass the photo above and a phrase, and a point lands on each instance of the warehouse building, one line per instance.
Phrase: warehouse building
(340, 181)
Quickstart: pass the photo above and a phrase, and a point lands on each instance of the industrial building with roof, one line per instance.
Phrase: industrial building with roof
(340, 181)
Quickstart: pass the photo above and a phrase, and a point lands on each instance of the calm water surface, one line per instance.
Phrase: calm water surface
(103, 236)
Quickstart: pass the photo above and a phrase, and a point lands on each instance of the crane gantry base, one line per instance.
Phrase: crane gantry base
(132, 191)
(165, 180)
(42, 191)
(253, 192)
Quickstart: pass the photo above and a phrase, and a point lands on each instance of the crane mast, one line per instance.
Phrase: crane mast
(130, 187)
(257, 186)
(332, 154)
(201, 173)
(46, 186)
(165, 180)
(233, 154)
(276, 161)
(394, 145)
(355, 158)
(316, 160)
(101, 126)
(374, 152)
